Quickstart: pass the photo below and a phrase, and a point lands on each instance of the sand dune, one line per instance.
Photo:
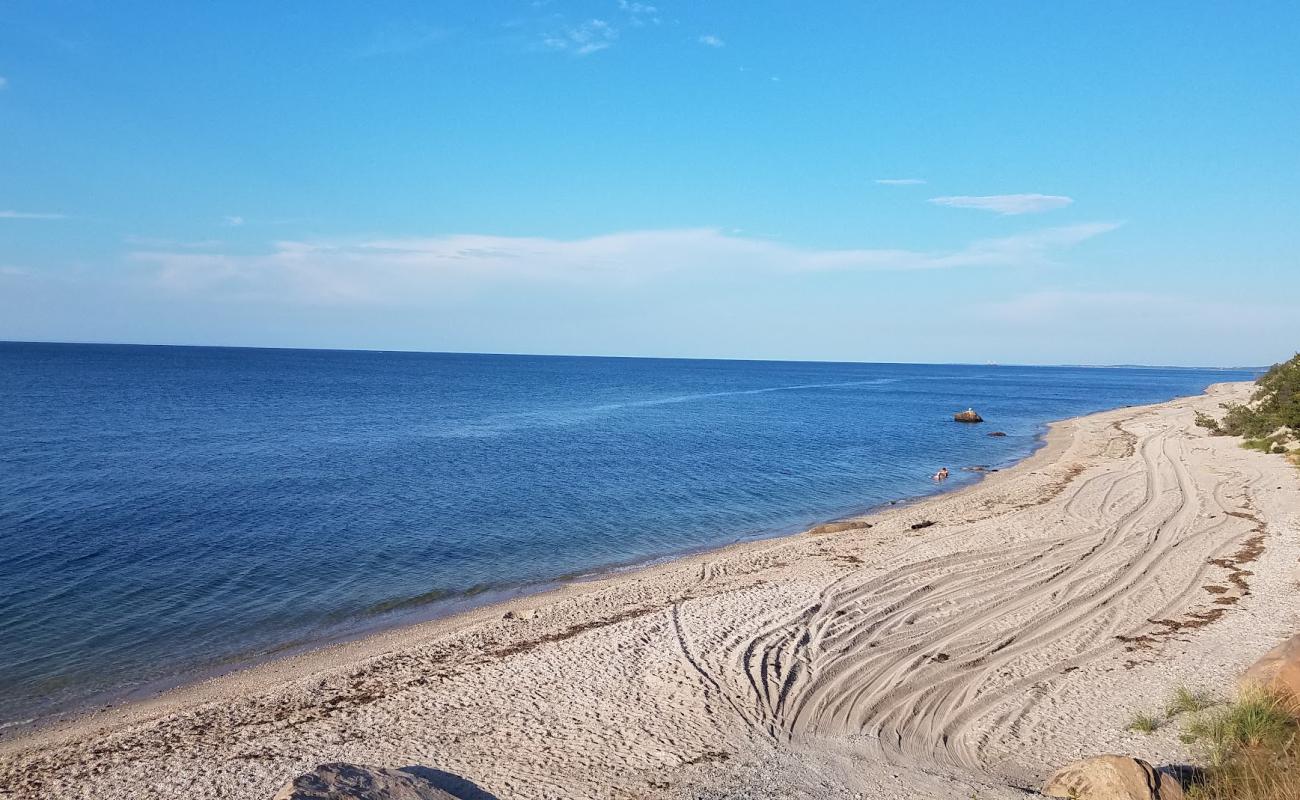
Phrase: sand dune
(973, 655)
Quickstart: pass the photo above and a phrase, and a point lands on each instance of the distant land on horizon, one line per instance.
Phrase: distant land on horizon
(1225, 368)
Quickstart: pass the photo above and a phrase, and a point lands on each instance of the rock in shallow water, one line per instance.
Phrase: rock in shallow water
(1112, 778)
(340, 781)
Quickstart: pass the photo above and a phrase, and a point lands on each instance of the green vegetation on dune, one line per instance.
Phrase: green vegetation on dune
(1271, 420)
(1275, 403)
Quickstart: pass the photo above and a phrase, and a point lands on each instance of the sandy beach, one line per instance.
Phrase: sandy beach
(965, 645)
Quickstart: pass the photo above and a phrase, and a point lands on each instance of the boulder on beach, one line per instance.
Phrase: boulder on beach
(1278, 671)
(1112, 778)
(968, 415)
(340, 781)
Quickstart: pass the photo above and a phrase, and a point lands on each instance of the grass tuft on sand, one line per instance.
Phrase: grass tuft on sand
(1250, 750)
(1187, 701)
(1142, 722)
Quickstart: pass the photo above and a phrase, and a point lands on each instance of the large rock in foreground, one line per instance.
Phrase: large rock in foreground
(1278, 671)
(1112, 778)
(352, 782)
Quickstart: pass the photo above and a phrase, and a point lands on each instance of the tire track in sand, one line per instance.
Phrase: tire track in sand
(912, 659)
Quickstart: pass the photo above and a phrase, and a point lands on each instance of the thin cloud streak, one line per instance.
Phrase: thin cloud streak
(899, 181)
(712, 41)
(1006, 204)
(411, 270)
(29, 215)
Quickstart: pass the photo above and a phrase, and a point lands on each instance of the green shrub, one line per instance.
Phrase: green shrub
(1209, 423)
(1274, 404)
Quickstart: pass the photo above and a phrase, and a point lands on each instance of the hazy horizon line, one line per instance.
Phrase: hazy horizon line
(1240, 367)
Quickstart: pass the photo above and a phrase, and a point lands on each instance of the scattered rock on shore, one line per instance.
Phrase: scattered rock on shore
(339, 781)
(968, 415)
(522, 614)
(1278, 670)
(1112, 778)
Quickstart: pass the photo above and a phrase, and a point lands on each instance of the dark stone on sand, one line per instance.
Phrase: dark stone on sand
(341, 781)
(925, 523)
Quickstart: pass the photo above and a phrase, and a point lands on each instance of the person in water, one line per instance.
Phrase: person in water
(942, 474)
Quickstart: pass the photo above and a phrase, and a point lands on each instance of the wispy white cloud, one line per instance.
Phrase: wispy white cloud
(583, 39)
(409, 270)
(899, 181)
(4, 82)
(29, 215)
(1006, 204)
(640, 13)
(232, 221)
(712, 41)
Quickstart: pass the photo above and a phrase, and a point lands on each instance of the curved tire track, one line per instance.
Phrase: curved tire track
(936, 658)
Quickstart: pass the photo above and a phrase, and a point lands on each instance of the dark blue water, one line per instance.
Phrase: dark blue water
(164, 509)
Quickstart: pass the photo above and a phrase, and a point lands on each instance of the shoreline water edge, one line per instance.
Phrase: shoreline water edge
(438, 692)
(414, 613)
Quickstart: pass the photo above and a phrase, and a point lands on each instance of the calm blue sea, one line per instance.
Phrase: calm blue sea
(167, 509)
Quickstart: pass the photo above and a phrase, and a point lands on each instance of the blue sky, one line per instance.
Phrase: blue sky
(1008, 181)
